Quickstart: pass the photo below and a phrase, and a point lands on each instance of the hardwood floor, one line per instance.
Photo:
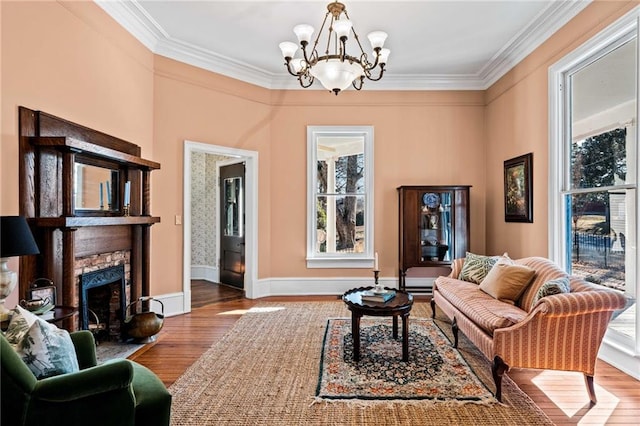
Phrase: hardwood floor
(561, 395)
(204, 293)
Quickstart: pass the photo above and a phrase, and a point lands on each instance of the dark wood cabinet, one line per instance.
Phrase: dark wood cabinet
(434, 227)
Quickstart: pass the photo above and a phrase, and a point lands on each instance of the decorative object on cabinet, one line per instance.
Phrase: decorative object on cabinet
(434, 228)
(84, 193)
(518, 189)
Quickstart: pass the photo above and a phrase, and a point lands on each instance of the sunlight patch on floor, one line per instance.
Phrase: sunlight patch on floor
(267, 309)
(234, 312)
(253, 310)
(570, 396)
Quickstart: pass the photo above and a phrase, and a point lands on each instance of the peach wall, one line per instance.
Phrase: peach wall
(426, 138)
(192, 104)
(71, 60)
(421, 138)
(517, 123)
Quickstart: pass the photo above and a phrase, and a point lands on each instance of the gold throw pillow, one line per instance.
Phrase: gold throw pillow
(507, 282)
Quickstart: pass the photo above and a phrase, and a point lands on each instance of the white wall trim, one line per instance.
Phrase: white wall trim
(205, 272)
(619, 356)
(173, 304)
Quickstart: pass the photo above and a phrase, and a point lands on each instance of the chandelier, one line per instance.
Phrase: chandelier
(335, 69)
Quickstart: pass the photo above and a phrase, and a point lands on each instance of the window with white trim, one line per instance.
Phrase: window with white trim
(593, 195)
(340, 196)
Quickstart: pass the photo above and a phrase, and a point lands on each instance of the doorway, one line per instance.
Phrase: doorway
(211, 265)
(232, 225)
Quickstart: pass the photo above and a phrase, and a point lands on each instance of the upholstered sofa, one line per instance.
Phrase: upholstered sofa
(119, 392)
(556, 332)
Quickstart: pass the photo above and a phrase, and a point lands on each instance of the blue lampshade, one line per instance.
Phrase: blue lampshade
(16, 236)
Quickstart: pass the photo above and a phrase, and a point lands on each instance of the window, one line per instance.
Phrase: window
(593, 195)
(340, 197)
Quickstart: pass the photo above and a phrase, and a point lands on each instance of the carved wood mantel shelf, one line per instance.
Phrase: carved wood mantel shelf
(51, 149)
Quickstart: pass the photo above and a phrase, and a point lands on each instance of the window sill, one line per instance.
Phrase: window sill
(339, 262)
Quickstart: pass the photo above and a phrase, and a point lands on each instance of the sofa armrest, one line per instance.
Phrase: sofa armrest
(456, 267)
(562, 332)
(116, 375)
(580, 303)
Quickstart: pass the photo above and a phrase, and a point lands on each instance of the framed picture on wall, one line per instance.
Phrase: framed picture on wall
(518, 189)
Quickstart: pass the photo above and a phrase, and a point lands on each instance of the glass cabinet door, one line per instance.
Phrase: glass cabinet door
(435, 226)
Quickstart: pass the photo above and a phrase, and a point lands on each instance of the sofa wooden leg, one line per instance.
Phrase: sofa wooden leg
(454, 328)
(498, 368)
(433, 308)
(588, 380)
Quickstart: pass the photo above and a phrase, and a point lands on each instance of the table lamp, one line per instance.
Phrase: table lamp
(16, 240)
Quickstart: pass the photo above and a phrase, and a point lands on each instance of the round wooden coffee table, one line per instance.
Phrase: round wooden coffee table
(400, 305)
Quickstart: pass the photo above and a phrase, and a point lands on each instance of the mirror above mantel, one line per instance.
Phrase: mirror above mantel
(95, 189)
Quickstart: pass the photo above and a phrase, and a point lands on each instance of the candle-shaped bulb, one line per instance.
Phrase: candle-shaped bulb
(375, 262)
(127, 193)
(108, 187)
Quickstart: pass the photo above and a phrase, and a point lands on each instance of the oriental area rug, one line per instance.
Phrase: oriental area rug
(264, 371)
(435, 370)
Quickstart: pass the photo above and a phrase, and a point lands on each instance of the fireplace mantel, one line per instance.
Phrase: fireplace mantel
(50, 147)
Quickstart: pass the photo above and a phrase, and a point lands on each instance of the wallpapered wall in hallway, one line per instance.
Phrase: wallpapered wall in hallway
(204, 180)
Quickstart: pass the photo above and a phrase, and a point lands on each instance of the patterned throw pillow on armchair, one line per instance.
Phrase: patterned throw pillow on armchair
(46, 349)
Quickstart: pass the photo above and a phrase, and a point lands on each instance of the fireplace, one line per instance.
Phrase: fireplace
(103, 299)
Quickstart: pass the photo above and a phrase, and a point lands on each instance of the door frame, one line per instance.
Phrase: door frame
(251, 209)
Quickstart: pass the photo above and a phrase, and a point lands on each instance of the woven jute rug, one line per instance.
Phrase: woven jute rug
(264, 371)
(435, 370)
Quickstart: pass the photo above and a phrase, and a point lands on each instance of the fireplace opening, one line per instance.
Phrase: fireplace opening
(103, 302)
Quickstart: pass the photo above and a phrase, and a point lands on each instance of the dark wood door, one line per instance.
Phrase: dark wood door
(232, 225)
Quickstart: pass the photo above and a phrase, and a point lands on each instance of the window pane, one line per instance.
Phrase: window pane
(598, 237)
(350, 174)
(603, 107)
(346, 235)
(600, 160)
(347, 173)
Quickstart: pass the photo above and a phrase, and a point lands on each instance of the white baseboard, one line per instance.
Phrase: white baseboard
(620, 357)
(205, 272)
(173, 304)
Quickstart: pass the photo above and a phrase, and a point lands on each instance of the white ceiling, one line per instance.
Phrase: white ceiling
(451, 44)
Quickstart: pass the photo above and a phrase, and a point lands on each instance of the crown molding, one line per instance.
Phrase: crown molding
(133, 18)
(543, 26)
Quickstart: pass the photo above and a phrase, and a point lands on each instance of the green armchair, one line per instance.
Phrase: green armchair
(118, 393)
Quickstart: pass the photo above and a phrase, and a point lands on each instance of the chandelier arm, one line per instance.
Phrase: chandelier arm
(379, 76)
(375, 64)
(287, 64)
(310, 61)
(307, 77)
(358, 86)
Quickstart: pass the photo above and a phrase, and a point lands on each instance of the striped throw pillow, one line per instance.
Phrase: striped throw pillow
(476, 267)
(551, 287)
